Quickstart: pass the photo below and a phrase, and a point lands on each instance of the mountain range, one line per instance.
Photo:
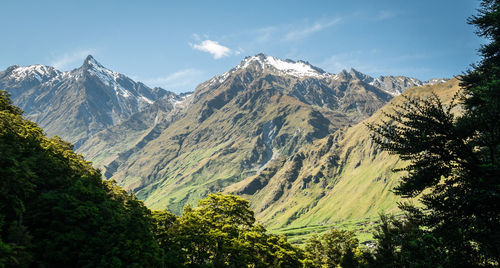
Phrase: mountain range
(284, 134)
(77, 103)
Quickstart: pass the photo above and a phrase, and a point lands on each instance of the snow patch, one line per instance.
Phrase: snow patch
(146, 99)
(435, 81)
(182, 101)
(108, 77)
(111, 79)
(395, 85)
(289, 67)
(298, 69)
(39, 72)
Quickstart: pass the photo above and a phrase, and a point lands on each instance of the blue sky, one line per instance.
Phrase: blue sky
(177, 45)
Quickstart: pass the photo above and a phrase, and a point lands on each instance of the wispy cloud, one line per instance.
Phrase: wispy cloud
(66, 60)
(179, 81)
(264, 34)
(341, 61)
(213, 47)
(267, 37)
(385, 15)
(306, 31)
(196, 37)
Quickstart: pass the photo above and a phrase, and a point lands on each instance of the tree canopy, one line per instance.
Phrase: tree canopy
(56, 210)
(221, 232)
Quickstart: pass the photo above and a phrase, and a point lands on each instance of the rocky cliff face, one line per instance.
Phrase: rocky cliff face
(78, 103)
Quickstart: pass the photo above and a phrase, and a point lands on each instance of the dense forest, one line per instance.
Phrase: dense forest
(56, 211)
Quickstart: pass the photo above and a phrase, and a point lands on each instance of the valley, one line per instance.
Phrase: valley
(283, 134)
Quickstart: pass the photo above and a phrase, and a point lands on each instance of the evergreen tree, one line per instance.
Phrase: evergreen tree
(454, 159)
(401, 242)
(482, 114)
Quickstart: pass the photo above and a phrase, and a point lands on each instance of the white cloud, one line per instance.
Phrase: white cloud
(68, 59)
(183, 80)
(304, 32)
(213, 47)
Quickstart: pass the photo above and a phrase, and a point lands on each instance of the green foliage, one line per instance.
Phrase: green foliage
(482, 115)
(402, 243)
(334, 248)
(56, 211)
(421, 131)
(446, 170)
(6, 104)
(163, 221)
(222, 232)
(454, 164)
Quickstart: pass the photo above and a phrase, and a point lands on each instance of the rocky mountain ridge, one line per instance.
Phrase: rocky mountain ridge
(77, 103)
(234, 125)
(340, 177)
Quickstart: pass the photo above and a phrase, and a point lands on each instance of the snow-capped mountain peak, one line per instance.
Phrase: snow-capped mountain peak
(84, 100)
(107, 77)
(94, 67)
(289, 67)
(90, 62)
(263, 62)
(39, 72)
(394, 85)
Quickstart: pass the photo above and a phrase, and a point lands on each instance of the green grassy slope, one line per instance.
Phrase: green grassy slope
(192, 159)
(341, 177)
(233, 129)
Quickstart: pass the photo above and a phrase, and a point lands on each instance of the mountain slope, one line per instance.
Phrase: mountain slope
(117, 141)
(77, 103)
(342, 176)
(233, 126)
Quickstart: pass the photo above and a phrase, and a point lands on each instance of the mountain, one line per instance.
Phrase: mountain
(283, 133)
(395, 85)
(236, 125)
(133, 133)
(343, 176)
(77, 103)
